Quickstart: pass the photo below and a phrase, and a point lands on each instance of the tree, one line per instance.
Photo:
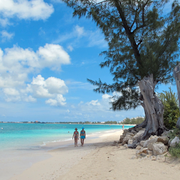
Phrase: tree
(137, 120)
(142, 50)
(171, 109)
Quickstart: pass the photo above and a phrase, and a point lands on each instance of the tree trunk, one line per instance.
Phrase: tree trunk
(177, 78)
(153, 108)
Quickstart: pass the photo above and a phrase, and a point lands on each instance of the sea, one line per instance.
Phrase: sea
(23, 144)
(24, 135)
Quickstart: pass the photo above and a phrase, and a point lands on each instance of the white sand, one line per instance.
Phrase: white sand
(99, 160)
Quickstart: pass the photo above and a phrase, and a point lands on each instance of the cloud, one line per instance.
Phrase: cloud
(4, 22)
(82, 37)
(14, 95)
(29, 99)
(99, 110)
(96, 39)
(50, 87)
(25, 9)
(11, 94)
(106, 96)
(77, 32)
(59, 101)
(70, 48)
(41, 31)
(52, 55)
(79, 85)
(94, 103)
(11, 91)
(6, 36)
(17, 63)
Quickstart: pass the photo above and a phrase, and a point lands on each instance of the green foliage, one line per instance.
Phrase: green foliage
(133, 120)
(141, 41)
(175, 151)
(173, 133)
(110, 122)
(87, 122)
(171, 109)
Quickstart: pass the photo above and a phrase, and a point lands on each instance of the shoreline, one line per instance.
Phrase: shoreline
(99, 159)
(61, 159)
(16, 161)
(29, 135)
(66, 123)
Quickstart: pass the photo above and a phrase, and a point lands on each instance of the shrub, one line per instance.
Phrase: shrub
(173, 133)
(171, 109)
(175, 151)
(137, 120)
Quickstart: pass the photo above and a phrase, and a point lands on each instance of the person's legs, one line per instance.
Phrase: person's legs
(82, 141)
(74, 142)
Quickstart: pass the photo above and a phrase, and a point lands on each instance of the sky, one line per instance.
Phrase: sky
(46, 56)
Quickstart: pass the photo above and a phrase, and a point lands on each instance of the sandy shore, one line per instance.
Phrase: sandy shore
(99, 159)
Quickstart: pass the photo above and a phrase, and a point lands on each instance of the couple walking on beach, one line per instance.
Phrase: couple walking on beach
(76, 136)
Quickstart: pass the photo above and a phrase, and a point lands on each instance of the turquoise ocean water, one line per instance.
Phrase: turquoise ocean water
(22, 145)
(19, 135)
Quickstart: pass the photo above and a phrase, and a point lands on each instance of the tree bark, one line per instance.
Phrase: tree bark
(177, 78)
(153, 108)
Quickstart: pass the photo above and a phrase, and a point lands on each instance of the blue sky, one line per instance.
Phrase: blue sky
(46, 56)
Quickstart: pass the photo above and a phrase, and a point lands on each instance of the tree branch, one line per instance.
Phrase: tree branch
(143, 21)
(128, 32)
(134, 19)
(139, 42)
(101, 2)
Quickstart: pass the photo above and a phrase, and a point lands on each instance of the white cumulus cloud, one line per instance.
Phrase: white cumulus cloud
(17, 63)
(11, 91)
(29, 99)
(59, 101)
(53, 55)
(106, 96)
(50, 87)
(25, 9)
(94, 103)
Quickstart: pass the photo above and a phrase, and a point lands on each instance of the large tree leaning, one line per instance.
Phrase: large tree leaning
(142, 50)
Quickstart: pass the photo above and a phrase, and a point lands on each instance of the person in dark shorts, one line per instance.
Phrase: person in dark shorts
(82, 136)
(76, 137)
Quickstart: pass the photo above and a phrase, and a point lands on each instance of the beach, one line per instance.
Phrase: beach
(99, 159)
